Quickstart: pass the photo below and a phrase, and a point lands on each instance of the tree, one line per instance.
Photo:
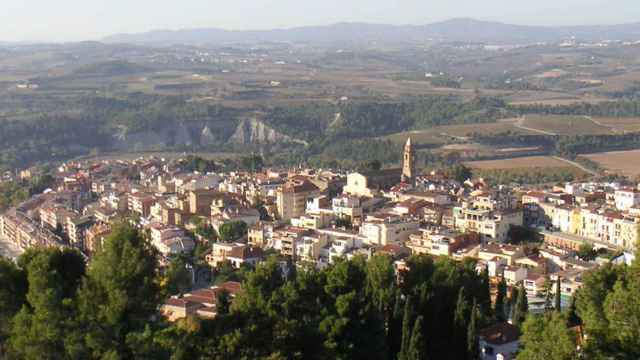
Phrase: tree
(223, 302)
(548, 295)
(590, 300)
(622, 310)
(252, 163)
(473, 346)
(586, 252)
(394, 334)
(460, 173)
(13, 291)
(120, 292)
(45, 328)
(483, 298)
(381, 281)
(407, 320)
(521, 307)
(547, 337)
(460, 324)
(572, 315)
(499, 308)
(177, 277)
(416, 345)
(558, 295)
(232, 230)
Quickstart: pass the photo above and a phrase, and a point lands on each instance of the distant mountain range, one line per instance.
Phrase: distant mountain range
(467, 30)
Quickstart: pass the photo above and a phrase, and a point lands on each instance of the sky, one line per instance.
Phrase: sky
(75, 20)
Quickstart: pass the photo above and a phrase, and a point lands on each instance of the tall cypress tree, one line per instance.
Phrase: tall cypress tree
(558, 294)
(513, 299)
(407, 322)
(473, 352)
(484, 298)
(395, 327)
(416, 346)
(499, 308)
(460, 322)
(521, 307)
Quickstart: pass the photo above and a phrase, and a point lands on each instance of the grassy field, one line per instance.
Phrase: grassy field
(519, 163)
(619, 162)
(565, 125)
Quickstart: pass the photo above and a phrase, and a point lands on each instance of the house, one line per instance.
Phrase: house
(383, 229)
(237, 254)
(442, 242)
(534, 283)
(492, 225)
(499, 342)
(170, 240)
(627, 198)
(507, 252)
(201, 303)
(514, 274)
(76, 230)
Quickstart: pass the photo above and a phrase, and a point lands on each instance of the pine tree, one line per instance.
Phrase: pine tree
(572, 315)
(499, 308)
(416, 349)
(472, 335)
(120, 292)
(558, 294)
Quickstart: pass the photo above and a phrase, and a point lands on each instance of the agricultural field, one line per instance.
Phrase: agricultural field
(620, 125)
(526, 170)
(626, 163)
(445, 134)
(519, 163)
(564, 125)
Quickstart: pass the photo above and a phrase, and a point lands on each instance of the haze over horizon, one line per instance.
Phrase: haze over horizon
(77, 20)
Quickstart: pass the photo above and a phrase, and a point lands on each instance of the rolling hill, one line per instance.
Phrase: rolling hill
(468, 30)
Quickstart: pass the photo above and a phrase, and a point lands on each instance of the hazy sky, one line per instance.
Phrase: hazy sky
(65, 20)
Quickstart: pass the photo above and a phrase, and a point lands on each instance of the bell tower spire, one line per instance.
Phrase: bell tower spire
(408, 163)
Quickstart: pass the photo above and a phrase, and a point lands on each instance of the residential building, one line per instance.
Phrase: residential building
(292, 198)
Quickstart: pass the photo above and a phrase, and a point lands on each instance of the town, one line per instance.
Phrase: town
(540, 238)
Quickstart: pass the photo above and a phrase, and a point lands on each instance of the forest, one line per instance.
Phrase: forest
(54, 306)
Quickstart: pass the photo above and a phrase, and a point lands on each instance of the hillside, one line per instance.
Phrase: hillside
(467, 30)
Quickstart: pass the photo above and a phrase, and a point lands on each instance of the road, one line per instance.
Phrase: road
(8, 249)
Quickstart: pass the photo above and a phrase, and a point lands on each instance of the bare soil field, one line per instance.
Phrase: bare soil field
(620, 162)
(519, 163)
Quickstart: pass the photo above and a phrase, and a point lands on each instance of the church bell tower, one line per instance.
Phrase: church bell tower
(408, 163)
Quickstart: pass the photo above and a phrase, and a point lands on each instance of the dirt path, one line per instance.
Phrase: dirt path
(579, 166)
(519, 125)
(613, 129)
